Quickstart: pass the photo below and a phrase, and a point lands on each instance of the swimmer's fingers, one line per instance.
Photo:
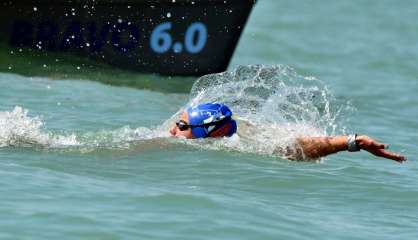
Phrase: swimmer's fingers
(389, 155)
(386, 154)
(378, 149)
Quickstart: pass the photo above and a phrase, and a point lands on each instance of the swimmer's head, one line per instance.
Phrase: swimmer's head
(205, 120)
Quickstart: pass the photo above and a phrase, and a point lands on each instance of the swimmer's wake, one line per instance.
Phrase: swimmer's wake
(17, 129)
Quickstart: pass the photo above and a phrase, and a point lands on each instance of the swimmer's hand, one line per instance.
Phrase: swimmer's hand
(377, 149)
(310, 148)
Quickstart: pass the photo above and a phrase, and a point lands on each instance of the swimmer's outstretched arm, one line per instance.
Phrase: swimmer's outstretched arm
(316, 147)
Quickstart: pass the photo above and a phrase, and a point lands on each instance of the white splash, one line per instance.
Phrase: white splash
(18, 129)
(273, 105)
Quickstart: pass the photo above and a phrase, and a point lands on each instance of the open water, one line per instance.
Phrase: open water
(80, 159)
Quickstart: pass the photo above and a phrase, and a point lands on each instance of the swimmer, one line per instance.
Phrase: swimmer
(215, 120)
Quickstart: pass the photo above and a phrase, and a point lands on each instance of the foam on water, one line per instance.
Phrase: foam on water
(273, 105)
(18, 129)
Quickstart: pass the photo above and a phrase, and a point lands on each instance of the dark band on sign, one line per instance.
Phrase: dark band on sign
(175, 38)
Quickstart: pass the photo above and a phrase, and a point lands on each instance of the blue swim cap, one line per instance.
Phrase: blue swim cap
(211, 120)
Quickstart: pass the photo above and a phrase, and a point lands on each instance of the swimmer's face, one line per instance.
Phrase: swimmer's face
(175, 131)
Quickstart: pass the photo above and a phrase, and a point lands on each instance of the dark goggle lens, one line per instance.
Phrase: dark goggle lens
(182, 125)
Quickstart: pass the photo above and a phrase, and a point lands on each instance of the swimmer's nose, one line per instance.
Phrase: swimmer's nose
(173, 131)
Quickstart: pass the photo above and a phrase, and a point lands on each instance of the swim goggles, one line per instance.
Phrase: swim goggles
(183, 125)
